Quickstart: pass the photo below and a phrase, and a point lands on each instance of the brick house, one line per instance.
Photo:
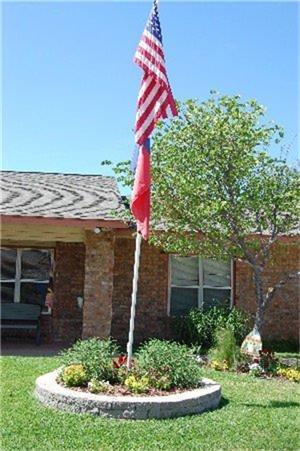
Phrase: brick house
(60, 236)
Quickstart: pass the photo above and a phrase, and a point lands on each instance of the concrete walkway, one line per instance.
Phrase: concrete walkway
(29, 349)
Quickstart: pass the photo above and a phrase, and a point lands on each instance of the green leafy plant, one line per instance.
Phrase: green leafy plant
(256, 370)
(198, 327)
(168, 365)
(225, 349)
(74, 375)
(137, 384)
(96, 386)
(96, 356)
(268, 362)
(264, 364)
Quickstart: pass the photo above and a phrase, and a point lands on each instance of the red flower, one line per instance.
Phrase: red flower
(120, 361)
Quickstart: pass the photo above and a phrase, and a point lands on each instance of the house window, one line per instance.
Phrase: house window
(197, 282)
(25, 276)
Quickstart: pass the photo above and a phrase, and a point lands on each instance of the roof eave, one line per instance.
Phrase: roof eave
(65, 222)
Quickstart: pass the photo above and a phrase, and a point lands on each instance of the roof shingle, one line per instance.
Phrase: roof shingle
(57, 195)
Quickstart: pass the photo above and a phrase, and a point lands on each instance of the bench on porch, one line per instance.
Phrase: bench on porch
(21, 316)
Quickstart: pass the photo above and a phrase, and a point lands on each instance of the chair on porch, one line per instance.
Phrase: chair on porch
(21, 315)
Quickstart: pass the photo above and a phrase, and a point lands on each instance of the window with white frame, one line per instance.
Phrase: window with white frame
(197, 282)
(26, 276)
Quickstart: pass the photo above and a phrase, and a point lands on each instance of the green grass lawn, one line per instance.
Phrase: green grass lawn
(255, 414)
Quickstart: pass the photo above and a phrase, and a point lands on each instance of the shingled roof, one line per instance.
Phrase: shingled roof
(56, 195)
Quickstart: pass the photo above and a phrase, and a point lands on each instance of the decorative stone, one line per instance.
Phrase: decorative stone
(252, 343)
(52, 394)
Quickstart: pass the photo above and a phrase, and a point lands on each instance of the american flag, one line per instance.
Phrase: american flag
(155, 99)
(155, 102)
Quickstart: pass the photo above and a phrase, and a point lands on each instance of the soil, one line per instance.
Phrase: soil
(120, 390)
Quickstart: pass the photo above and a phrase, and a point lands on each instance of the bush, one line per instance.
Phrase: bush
(168, 365)
(136, 384)
(96, 386)
(225, 350)
(268, 361)
(198, 328)
(96, 356)
(74, 375)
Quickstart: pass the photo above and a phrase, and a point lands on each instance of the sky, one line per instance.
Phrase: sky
(70, 86)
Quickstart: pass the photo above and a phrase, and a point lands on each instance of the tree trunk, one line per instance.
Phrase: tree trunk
(260, 298)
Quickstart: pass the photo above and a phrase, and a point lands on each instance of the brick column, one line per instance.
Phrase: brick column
(98, 285)
(68, 285)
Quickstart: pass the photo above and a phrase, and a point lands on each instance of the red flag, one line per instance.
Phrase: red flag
(140, 203)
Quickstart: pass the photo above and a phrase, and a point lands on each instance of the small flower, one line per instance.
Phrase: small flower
(120, 361)
(255, 366)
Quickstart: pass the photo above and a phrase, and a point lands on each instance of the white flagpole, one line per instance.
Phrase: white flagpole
(138, 242)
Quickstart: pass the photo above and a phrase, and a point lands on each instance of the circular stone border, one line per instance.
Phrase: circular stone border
(52, 394)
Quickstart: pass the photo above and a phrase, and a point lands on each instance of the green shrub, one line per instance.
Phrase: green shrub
(74, 375)
(225, 349)
(96, 356)
(96, 386)
(198, 328)
(137, 384)
(268, 362)
(167, 365)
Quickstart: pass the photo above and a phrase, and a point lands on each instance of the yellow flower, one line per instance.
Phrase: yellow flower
(291, 374)
(219, 365)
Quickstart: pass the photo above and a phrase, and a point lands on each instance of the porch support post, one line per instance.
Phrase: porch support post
(98, 285)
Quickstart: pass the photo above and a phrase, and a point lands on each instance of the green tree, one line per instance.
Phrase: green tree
(217, 192)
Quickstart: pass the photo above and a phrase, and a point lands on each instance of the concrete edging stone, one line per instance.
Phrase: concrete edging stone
(52, 394)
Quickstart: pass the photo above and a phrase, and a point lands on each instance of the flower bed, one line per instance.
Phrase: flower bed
(264, 365)
(141, 407)
(163, 381)
(159, 366)
(225, 355)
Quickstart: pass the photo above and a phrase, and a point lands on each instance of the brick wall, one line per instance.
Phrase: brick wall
(99, 262)
(108, 285)
(282, 315)
(68, 285)
(152, 298)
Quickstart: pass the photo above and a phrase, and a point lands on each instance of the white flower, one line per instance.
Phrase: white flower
(255, 366)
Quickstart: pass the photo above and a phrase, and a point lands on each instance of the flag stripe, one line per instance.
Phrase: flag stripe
(142, 101)
(154, 54)
(148, 105)
(149, 123)
(151, 58)
(151, 68)
(155, 42)
(144, 90)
